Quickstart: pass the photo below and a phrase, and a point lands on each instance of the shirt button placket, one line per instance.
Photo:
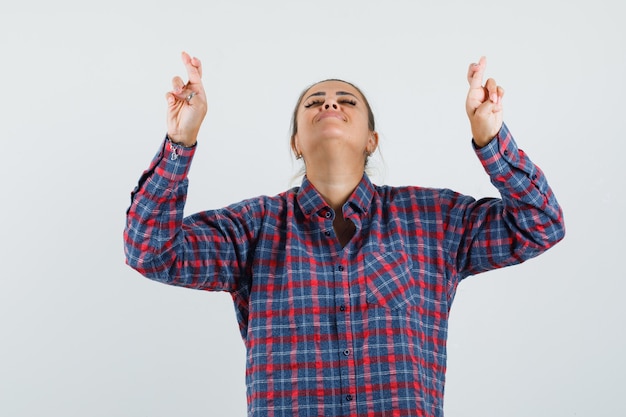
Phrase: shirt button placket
(346, 353)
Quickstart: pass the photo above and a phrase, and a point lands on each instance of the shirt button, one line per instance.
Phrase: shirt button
(327, 214)
(342, 308)
(506, 152)
(340, 268)
(346, 352)
(327, 233)
(348, 397)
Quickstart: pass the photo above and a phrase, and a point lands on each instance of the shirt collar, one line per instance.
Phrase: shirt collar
(311, 202)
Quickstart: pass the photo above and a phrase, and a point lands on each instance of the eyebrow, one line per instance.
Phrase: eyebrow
(339, 93)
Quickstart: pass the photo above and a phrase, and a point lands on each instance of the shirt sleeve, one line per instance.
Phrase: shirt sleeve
(495, 232)
(203, 251)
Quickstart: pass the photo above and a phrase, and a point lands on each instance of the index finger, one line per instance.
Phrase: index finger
(475, 73)
(194, 68)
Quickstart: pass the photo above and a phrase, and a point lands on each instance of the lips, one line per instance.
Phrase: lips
(330, 114)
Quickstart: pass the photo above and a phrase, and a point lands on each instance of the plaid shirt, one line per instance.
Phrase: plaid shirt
(332, 331)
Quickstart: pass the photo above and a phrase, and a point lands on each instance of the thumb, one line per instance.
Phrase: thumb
(171, 100)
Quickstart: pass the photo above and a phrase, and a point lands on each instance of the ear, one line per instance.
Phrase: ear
(294, 145)
(372, 142)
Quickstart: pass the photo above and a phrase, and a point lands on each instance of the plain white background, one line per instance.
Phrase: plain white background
(82, 114)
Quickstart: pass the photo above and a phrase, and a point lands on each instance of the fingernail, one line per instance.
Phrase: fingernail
(494, 98)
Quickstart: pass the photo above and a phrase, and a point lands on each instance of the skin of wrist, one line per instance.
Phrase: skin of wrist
(482, 142)
(183, 143)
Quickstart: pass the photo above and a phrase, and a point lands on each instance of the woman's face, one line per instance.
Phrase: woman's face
(333, 117)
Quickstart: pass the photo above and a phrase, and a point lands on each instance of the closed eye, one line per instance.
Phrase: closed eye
(313, 103)
(347, 101)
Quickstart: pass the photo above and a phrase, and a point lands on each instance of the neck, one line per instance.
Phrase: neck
(335, 185)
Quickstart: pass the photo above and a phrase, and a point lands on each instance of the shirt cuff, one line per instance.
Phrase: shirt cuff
(174, 160)
(500, 154)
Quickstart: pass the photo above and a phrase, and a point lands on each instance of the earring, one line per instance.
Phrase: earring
(299, 156)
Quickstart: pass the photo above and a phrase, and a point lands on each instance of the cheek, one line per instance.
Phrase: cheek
(302, 125)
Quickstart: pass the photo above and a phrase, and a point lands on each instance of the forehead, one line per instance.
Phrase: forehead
(332, 87)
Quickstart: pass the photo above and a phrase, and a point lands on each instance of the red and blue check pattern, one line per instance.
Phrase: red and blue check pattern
(332, 331)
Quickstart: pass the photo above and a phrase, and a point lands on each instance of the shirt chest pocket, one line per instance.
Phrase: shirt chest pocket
(388, 280)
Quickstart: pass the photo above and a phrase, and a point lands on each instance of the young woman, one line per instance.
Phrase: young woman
(342, 288)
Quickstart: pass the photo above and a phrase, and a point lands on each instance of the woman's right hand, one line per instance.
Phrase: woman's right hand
(186, 104)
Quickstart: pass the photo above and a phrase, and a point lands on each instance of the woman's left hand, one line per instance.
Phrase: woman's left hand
(187, 104)
(483, 104)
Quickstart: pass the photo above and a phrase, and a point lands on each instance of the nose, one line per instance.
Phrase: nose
(330, 104)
